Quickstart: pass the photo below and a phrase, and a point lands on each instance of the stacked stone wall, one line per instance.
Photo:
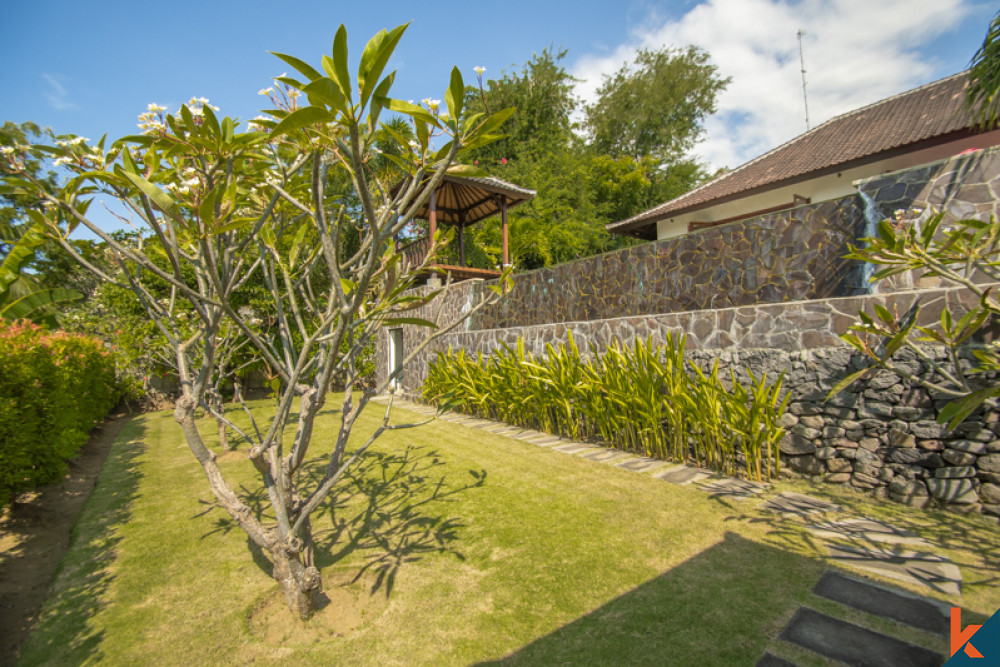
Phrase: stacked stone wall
(879, 436)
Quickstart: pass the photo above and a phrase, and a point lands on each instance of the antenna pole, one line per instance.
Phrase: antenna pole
(802, 66)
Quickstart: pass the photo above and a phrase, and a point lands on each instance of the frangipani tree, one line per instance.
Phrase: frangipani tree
(224, 207)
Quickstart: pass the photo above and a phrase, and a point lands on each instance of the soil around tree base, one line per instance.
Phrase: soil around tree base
(35, 533)
(349, 601)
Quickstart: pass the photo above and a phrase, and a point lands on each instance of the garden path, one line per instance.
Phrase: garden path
(35, 533)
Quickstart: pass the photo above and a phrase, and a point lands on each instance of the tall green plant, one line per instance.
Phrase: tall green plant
(642, 398)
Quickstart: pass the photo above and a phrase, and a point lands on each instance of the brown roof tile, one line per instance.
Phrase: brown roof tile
(916, 116)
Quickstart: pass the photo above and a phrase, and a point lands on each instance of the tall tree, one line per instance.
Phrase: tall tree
(221, 204)
(655, 105)
(542, 92)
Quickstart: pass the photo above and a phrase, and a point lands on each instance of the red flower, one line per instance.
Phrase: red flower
(503, 160)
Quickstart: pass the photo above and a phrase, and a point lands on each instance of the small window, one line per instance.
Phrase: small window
(396, 357)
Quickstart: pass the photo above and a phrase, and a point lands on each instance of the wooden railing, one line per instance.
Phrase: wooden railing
(415, 251)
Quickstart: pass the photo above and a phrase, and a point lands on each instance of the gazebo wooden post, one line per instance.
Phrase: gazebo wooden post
(432, 217)
(461, 237)
(503, 227)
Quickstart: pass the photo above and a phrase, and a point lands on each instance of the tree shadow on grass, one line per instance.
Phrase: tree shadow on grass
(972, 542)
(389, 508)
(719, 607)
(63, 634)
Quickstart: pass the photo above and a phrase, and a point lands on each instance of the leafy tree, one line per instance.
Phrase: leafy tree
(655, 105)
(222, 205)
(580, 187)
(542, 93)
(960, 254)
(983, 96)
(26, 255)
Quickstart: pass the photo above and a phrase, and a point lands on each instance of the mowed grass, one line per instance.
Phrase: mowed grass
(479, 547)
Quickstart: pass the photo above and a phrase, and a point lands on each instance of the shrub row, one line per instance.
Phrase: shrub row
(53, 388)
(641, 398)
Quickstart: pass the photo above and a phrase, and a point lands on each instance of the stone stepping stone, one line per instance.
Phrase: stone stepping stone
(643, 464)
(771, 660)
(799, 504)
(480, 423)
(683, 475)
(737, 489)
(866, 529)
(898, 605)
(528, 433)
(509, 431)
(463, 420)
(921, 568)
(580, 448)
(607, 456)
(545, 440)
(497, 427)
(852, 644)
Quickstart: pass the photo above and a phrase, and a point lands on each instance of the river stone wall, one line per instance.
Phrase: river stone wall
(771, 294)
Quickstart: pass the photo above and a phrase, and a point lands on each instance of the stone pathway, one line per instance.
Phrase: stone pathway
(799, 504)
(734, 489)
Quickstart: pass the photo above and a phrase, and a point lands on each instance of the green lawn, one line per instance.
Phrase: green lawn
(479, 548)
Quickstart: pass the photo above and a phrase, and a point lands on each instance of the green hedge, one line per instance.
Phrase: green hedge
(54, 387)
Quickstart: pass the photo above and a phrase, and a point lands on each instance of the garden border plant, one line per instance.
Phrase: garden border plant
(642, 398)
(55, 388)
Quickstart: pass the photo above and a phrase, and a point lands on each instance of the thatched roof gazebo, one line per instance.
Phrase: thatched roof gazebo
(462, 201)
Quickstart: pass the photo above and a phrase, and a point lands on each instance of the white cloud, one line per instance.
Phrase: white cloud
(856, 52)
(57, 96)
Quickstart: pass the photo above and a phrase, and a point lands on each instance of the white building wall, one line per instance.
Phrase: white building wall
(832, 186)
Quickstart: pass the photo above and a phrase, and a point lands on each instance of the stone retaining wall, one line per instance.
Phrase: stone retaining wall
(880, 436)
(773, 294)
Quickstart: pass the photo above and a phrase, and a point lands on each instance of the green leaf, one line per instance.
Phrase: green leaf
(228, 129)
(235, 224)
(30, 303)
(293, 254)
(20, 255)
(376, 65)
(955, 412)
(416, 321)
(455, 95)
(496, 120)
(414, 111)
(301, 66)
(325, 91)
(848, 381)
(466, 170)
(381, 93)
(301, 118)
(267, 236)
(160, 199)
(211, 122)
(340, 73)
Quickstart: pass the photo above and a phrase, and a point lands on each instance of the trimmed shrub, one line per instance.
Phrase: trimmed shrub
(54, 387)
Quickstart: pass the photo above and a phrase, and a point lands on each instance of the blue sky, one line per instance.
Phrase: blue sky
(89, 67)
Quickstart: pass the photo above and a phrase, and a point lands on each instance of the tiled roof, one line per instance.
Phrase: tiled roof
(916, 117)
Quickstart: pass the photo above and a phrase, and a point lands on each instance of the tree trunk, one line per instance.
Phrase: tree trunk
(299, 584)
